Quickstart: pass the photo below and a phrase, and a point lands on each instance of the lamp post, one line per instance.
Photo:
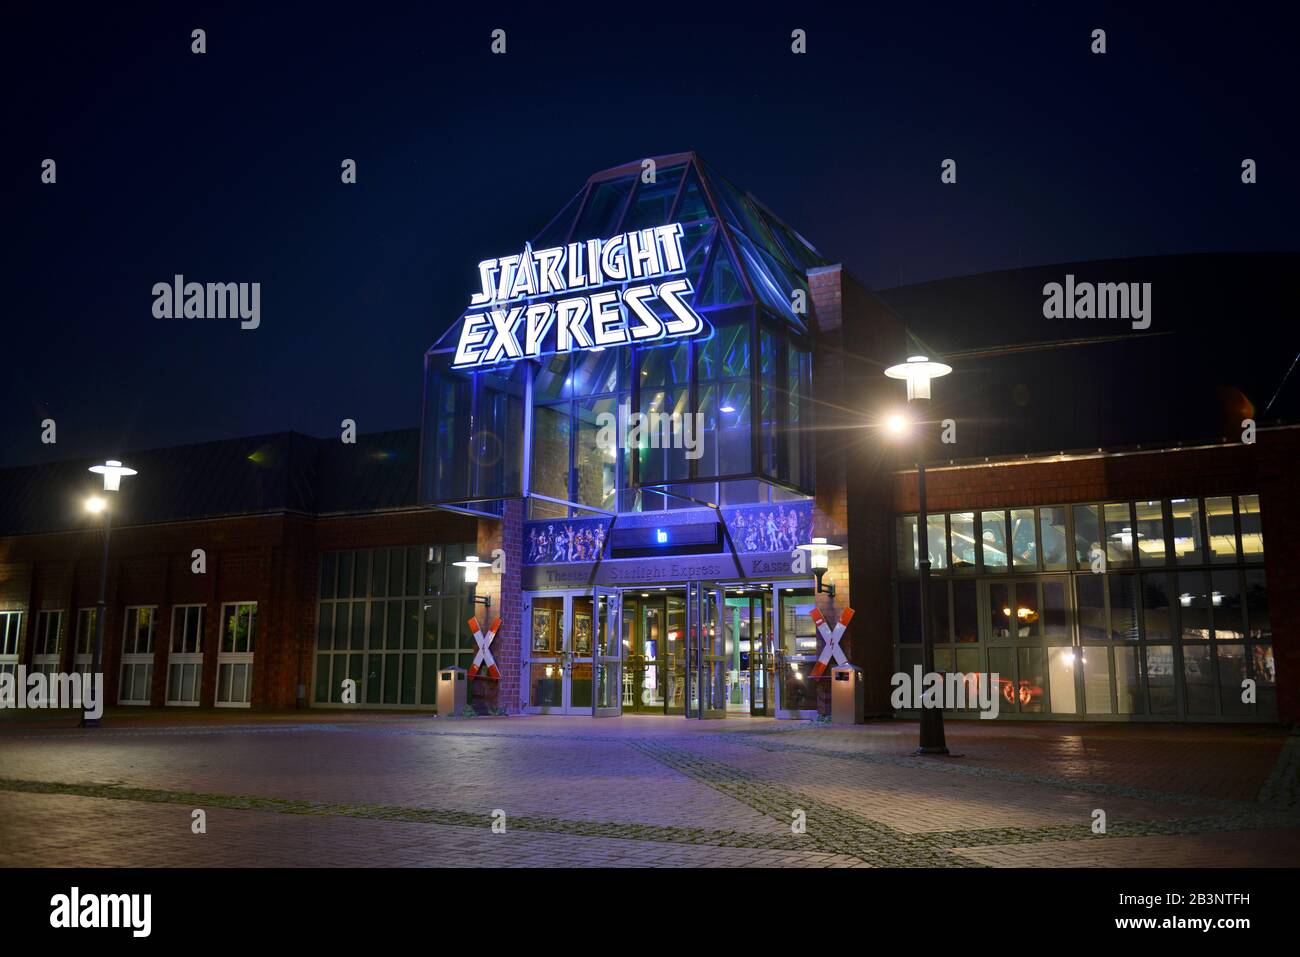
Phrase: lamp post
(918, 371)
(471, 564)
(112, 471)
(819, 553)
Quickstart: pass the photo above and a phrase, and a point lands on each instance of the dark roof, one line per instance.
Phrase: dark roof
(283, 471)
(1218, 350)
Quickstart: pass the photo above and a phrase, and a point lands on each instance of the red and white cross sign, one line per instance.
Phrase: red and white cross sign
(832, 639)
(484, 655)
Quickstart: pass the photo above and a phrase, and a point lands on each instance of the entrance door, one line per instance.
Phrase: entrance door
(796, 646)
(706, 695)
(654, 658)
(609, 656)
(747, 648)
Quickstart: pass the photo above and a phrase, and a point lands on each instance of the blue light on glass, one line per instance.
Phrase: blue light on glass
(661, 536)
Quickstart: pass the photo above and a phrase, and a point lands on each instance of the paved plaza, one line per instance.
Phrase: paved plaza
(383, 790)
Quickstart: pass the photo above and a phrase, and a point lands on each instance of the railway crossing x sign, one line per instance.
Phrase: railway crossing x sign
(832, 639)
(484, 655)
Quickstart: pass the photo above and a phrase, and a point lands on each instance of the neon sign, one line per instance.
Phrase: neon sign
(527, 311)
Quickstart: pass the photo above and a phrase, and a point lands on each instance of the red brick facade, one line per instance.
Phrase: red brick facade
(273, 560)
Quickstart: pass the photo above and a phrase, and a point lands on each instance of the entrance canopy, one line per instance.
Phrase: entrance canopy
(647, 350)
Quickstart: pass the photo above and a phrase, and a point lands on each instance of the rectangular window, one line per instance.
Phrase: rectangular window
(993, 531)
(1194, 605)
(1087, 535)
(187, 629)
(236, 651)
(1257, 604)
(1128, 681)
(938, 538)
(1221, 529)
(1024, 538)
(1000, 612)
(1198, 680)
(1056, 620)
(1119, 534)
(86, 631)
(10, 630)
(1150, 532)
(1090, 600)
(238, 627)
(1096, 680)
(965, 557)
(1226, 606)
(1033, 679)
(1052, 537)
(1060, 666)
(1252, 531)
(49, 635)
(965, 611)
(1123, 607)
(1026, 610)
(1162, 695)
(1156, 619)
(137, 637)
(907, 544)
(1185, 514)
(136, 684)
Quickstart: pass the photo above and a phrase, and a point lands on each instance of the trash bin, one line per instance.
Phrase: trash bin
(848, 701)
(451, 692)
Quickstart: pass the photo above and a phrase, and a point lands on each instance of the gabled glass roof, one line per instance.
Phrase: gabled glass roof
(738, 252)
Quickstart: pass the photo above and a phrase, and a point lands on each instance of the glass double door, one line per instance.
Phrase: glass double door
(574, 665)
(654, 652)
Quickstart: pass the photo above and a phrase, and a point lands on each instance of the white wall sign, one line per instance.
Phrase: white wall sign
(527, 311)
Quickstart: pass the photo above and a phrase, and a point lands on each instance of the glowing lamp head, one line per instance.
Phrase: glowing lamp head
(471, 564)
(95, 505)
(918, 371)
(112, 470)
(896, 424)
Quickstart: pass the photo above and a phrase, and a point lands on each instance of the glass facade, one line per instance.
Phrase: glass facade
(1157, 609)
(739, 389)
(389, 619)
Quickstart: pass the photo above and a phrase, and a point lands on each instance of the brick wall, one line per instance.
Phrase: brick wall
(270, 559)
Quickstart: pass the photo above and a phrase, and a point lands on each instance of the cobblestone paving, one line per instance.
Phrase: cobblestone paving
(366, 790)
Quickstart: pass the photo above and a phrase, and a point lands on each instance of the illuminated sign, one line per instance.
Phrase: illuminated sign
(528, 309)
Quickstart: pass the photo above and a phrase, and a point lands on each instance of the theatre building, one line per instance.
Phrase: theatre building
(637, 434)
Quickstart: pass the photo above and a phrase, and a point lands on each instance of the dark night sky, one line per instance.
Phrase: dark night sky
(225, 167)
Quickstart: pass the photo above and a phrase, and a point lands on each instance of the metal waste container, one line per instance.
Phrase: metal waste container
(451, 692)
(848, 701)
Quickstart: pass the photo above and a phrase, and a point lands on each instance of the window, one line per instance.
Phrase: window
(1119, 534)
(136, 684)
(187, 629)
(1127, 642)
(185, 661)
(1252, 533)
(1087, 535)
(1221, 529)
(48, 640)
(85, 646)
(1052, 537)
(965, 558)
(993, 532)
(392, 633)
(10, 630)
(1149, 532)
(235, 652)
(1185, 514)
(1024, 540)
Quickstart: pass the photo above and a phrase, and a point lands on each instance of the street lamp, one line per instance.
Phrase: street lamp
(918, 372)
(820, 551)
(112, 471)
(471, 564)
